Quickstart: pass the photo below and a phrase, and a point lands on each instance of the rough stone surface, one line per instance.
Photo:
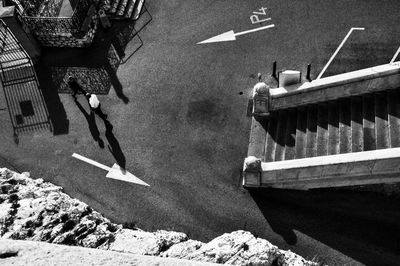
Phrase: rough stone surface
(183, 249)
(39, 211)
(36, 210)
(144, 243)
(22, 253)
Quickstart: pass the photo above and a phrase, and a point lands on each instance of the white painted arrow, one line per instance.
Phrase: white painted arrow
(231, 36)
(114, 172)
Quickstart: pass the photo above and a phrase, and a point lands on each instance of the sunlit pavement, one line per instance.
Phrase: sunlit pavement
(185, 131)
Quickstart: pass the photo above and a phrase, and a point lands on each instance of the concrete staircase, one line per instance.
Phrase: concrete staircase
(349, 139)
(123, 9)
(354, 124)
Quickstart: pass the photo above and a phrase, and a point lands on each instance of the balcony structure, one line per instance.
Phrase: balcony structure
(59, 23)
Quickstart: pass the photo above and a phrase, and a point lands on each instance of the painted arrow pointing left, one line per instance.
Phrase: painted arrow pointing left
(231, 35)
(114, 172)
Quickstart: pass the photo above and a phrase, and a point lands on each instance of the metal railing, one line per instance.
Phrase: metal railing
(20, 85)
(48, 22)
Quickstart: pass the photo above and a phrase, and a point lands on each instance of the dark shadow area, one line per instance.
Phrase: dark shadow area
(94, 67)
(263, 121)
(56, 110)
(114, 146)
(90, 66)
(363, 225)
(91, 120)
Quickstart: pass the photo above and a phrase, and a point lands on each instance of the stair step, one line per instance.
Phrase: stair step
(301, 130)
(114, 5)
(129, 8)
(322, 130)
(121, 7)
(281, 136)
(290, 140)
(393, 98)
(271, 140)
(105, 5)
(311, 140)
(356, 125)
(138, 9)
(344, 126)
(369, 123)
(333, 128)
(381, 121)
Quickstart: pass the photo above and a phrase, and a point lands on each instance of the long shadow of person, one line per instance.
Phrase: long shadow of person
(114, 146)
(90, 118)
(117, 85)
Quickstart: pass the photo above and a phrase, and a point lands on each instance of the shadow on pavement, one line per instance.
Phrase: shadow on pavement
(362, 225)
(114, 146)
(91, 120)
(94, 67)
(53, 103)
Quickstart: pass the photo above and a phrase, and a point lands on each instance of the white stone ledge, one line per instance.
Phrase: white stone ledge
(368, 167)
(341, 79)
(333, 159)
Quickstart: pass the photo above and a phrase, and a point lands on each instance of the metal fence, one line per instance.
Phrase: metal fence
(45, 20)
(24, 98)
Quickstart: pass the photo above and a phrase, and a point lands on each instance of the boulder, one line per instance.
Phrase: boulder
(182, 249)
(136, 242)
(169, 238)
(222, 248)
(288, 258)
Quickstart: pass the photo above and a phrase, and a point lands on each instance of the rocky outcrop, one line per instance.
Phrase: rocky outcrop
(237, 248)
(22, 253)
(39, 211)
(144, 243)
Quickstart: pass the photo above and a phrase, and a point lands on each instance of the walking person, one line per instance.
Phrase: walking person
(90, 118)
(75, 87)
(94, 104)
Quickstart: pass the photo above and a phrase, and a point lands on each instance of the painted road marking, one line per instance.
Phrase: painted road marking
(337, 50)
(263, 9)
(395, 55)
(115, 172)
(255, 19)
(231, 36)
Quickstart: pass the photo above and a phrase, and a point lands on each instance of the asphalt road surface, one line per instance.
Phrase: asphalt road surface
(184, 128)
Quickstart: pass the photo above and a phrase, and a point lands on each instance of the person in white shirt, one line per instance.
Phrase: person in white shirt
(94, 104)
